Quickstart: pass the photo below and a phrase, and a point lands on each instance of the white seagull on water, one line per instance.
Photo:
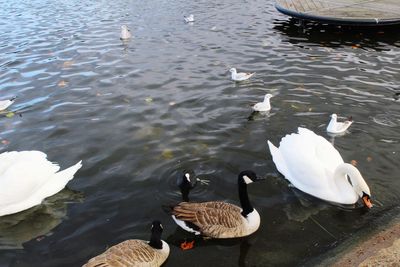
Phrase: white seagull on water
(338, 127)
(241, 76)
(4, 104)
(263, 106)
(189, 18)
(125, 33)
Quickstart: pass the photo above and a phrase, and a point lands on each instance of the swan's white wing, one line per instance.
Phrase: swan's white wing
(22, 174)
(309, 162)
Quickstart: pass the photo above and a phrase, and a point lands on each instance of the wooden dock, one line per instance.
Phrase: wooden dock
(343, 12)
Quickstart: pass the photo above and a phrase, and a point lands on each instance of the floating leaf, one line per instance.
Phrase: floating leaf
(62, 83)
(5, 142)
(167, 154)
(68, 63)
(353, 162)
(10, 114)
(294, 106)
(369, 159)
(355, 46)
(148, 99)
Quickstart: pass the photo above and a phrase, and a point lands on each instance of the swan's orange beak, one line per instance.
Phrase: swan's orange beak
(367, 201)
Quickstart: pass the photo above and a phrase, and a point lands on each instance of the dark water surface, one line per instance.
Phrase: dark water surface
(137, 113)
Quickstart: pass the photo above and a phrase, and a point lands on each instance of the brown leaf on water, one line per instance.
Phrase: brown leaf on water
(10, 114)
(353, 162)
(355, 46)
(5, 142)
(62, 83)
(68, 63)
(369, 158)
(167, 154)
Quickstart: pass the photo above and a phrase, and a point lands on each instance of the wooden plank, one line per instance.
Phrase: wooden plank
(345, 11)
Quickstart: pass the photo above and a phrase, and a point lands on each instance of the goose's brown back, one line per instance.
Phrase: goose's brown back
(130, 253)
(214, 219)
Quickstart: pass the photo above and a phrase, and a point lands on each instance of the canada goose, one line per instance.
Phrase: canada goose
(314, 166)
(27, 177)
(135, 252)
(241, 76)
(338, 127)
(263, 106)
(4, 104)
(189, 181)
(217, 219)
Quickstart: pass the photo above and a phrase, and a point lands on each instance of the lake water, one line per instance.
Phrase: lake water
(138, 113)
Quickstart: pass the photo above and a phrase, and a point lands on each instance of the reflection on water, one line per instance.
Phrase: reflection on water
(139, 112)
(16, 229)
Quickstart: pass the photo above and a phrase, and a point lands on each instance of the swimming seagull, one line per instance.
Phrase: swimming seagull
(263, 106)
(189, 18)
(241, 76)
(125, 33)
(338, 127)
(6, 103)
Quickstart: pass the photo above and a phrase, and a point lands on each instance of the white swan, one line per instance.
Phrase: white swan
(125, 33)
(189, 18)
(314, 166)
(4, 104)
(263, 106)
(338, 127)
(27, 177)
(241, 76)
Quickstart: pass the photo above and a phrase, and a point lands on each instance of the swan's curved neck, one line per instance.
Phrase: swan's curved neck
(352, 172)
(244, 198)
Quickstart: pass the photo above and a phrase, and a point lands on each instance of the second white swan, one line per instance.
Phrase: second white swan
(315, 167)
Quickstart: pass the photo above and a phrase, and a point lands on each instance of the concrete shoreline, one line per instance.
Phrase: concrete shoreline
(377, 246)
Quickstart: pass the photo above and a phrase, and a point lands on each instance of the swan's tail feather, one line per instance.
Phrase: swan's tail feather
(59, 181)
(278, 159)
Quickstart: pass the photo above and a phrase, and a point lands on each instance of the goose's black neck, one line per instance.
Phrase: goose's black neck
(244, 198)
(155, 239)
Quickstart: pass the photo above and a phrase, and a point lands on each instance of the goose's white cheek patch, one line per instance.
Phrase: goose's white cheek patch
(247, 180)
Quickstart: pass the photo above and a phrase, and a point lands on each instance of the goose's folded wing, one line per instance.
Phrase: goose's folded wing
(212, 218)
(127, 253)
